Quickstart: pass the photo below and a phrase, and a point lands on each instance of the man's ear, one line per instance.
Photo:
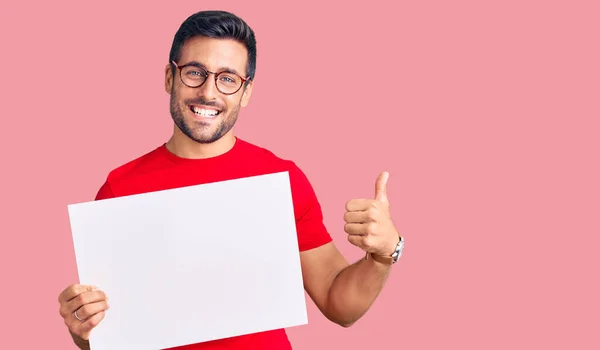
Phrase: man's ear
(247, 93)
(168, 78)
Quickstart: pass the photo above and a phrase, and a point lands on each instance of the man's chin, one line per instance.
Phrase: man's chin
(205, 139)
(204, 132)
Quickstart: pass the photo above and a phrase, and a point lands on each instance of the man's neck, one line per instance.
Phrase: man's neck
(184, 147)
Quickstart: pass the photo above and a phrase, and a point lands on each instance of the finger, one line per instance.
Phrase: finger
(89, 310)
(84, 299)
(74, 290)
(355, 229)
(356, 240)
(357, 217)
(381, 187)
(85, 328)
(74, 297)
(359, 204)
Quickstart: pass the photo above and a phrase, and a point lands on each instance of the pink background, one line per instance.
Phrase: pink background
(485, 114)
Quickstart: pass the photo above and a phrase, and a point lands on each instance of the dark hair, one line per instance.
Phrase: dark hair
(219, 25)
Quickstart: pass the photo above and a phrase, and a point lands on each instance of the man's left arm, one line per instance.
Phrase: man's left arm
(344, 292)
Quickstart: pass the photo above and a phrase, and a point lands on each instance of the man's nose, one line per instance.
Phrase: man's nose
(209, 88)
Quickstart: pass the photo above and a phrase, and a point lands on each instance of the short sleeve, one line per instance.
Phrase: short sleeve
(310, 227)
(105, 192)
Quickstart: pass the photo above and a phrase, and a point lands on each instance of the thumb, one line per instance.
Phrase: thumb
(380, 187)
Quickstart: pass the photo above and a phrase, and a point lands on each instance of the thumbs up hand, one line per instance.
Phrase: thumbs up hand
(368, 221)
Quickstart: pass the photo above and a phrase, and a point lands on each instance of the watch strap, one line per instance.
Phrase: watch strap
(386, 260)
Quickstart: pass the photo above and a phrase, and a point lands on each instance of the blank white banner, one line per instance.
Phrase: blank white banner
(192, 264)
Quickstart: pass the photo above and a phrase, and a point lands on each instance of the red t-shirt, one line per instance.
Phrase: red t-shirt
(160, 170)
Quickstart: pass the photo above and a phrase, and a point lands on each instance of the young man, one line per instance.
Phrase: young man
(209, 78)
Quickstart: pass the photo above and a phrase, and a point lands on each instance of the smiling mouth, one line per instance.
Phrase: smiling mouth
(204, 112)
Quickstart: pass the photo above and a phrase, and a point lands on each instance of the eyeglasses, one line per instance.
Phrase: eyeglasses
(194, 76)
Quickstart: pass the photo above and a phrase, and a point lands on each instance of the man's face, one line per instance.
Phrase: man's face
(193, 109)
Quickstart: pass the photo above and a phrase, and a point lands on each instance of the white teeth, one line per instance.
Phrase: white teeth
(204, 112)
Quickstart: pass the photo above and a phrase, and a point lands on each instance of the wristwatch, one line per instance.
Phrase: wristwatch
(391, 259)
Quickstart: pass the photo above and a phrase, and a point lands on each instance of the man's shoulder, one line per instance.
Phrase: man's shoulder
(258, 153)
(135, 165)
(271, 162)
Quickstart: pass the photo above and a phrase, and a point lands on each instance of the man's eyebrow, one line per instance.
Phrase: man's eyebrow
(193, 63)
(229, 70)
(222, 69)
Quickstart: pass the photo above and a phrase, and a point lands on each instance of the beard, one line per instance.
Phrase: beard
(196, 130)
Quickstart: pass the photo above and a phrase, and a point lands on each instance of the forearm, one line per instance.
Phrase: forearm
(81, 343)
(354, 290)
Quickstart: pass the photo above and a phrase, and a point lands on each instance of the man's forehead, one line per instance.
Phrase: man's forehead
(215, 53)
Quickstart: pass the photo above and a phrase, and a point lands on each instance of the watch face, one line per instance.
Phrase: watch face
(399, 249)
